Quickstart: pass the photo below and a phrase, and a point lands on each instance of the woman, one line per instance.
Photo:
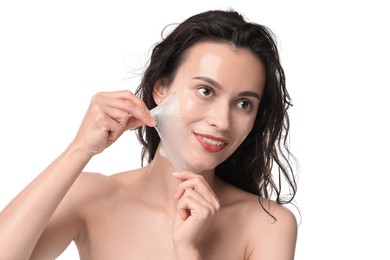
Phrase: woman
(226, 74)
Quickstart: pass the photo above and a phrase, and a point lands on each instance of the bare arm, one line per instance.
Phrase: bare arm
(26, 216)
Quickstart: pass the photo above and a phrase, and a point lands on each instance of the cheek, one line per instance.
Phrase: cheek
(243, 129)
(190, 110)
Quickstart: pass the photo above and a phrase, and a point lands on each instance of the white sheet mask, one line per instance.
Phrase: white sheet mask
(171, 131)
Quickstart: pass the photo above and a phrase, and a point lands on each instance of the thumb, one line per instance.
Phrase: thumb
(133, 123)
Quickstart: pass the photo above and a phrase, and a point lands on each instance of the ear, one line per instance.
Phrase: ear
(160, 91)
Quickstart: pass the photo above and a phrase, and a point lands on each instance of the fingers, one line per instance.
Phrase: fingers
(196, 207)
(109, 115)
(196, 182)
(194, 204)
(127, 102)
(195, 196)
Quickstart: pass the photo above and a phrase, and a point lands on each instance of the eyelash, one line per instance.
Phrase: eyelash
(212, 92)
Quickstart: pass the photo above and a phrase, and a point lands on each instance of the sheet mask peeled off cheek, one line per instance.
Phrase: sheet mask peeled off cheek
(170, 128)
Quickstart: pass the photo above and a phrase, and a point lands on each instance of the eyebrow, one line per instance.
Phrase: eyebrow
(219, 86)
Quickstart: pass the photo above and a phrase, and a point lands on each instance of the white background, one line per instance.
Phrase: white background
(55, 55)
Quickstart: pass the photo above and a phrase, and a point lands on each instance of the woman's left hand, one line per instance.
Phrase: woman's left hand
(196, 207)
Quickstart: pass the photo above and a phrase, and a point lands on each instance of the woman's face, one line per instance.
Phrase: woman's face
(219, 88)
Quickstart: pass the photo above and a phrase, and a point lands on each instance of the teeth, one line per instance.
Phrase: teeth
(211, 141)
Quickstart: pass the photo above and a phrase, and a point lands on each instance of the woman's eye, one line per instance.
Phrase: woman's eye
(205, 91)
(245, 105)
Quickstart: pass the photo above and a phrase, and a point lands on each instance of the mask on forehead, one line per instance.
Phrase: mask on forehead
(170, 128)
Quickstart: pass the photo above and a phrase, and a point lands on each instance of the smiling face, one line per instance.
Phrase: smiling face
(219, 88)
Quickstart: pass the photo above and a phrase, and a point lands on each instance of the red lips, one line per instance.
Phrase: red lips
(211, 143)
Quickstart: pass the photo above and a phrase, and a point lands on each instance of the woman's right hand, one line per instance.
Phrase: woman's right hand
(109, 115)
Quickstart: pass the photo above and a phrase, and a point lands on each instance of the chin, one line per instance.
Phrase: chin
(198, 164)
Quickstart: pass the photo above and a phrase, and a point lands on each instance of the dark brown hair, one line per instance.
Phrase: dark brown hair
(250, 167)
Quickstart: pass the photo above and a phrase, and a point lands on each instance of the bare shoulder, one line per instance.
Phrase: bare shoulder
(91, 190)
(68, 221)
(91, 186)
(274, 231)
(271, 228)
(274, 219)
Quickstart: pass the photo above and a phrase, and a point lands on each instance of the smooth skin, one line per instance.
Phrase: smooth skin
(154, 212)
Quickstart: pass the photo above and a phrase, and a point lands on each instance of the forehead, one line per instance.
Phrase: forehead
(224, 63)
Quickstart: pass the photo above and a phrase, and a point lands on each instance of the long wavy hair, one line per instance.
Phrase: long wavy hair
(251, 166)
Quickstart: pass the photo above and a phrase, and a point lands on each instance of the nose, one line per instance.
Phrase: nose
(220, 117)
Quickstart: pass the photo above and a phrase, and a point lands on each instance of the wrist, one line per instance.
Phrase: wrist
(81, 152)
